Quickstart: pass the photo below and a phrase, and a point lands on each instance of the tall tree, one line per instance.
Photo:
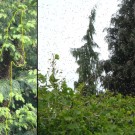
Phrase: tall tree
(18, 83)
(87, 59)
(120, 68)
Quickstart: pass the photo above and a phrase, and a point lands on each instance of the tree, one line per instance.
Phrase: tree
(18, 83)
(87, 59)
(120, 68)
(17, 21)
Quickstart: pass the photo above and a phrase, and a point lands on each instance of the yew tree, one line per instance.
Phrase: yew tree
(120, 68)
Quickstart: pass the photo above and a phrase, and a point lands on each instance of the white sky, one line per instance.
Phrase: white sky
(62, 25)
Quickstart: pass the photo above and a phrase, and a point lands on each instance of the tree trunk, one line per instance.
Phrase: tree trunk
(5, 65)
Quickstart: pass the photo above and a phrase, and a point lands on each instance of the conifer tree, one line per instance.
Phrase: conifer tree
(120, 68)
(87, 59)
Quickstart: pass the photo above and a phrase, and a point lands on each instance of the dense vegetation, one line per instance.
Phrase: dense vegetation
(18, 84)
(63, 111)
(85, 110)
(120, 68)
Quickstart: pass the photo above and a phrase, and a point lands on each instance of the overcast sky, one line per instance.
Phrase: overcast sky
(62, 25)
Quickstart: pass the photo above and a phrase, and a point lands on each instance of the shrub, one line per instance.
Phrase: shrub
(62, 111)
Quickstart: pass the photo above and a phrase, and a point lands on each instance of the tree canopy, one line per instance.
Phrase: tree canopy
(18, 81)
(120, 68)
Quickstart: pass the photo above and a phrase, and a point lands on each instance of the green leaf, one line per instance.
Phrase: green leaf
(2, 15)
(73, 126)
(1, 98)
(56, 56)
(68, 118)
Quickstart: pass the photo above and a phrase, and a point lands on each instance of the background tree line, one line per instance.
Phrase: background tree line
(120, 67)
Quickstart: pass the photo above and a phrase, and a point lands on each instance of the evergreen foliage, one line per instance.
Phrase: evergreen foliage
(120, 68)
(87, 59)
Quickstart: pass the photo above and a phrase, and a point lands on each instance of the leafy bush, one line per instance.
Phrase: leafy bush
(62, 111)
